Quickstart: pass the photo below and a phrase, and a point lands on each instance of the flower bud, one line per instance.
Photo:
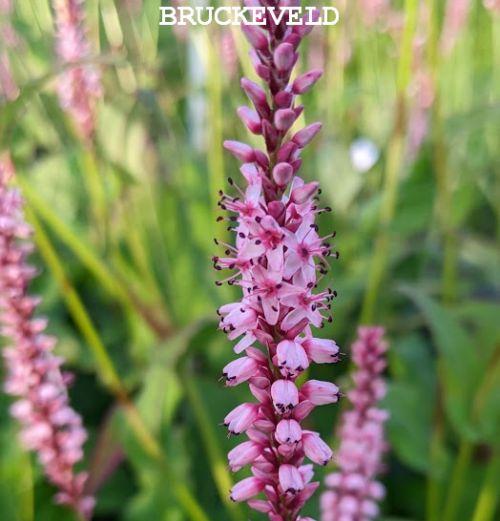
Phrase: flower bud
(305, 81)
(241, 151)
(282, 173)
(320, 393)
(246, 489)
(285, 395)
(255, 36)
(306, 135)
(241, 418)
(290, 479)
(243, 454)
(250, 119)
(284, 57)
(303, 193)
(315, 448)
(288, 432)
(284, 119)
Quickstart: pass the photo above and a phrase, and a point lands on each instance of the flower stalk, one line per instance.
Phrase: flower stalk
(278, 260)
(354, 491)
(49, 426)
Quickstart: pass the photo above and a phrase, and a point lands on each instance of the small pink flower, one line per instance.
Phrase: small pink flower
(246, 489)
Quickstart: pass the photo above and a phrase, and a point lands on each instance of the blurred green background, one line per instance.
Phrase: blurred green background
(409, 161)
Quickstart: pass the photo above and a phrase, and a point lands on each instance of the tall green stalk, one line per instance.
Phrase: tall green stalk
(488, 496)
(393, 166)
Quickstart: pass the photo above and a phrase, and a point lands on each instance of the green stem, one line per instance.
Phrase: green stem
(488, 496)
(95, 188)
(458, 479)
(218, 463)
(106, 369)
(393, 168)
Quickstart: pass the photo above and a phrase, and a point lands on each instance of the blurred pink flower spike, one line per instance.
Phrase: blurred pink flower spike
(277, 261)
(353, 491)
(49, 426)
(79, 85)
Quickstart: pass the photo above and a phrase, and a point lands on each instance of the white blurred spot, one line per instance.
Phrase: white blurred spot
(364, 154)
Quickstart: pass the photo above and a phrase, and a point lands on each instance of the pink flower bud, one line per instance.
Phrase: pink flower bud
(284, 57)
(243, 454)
(305, 81)
(256, 95)
(292, 358)
(255, 36)
(321, 350)
(240, 370)
(287, 151)
(306, 135)
(282, 174)
(303, 193)
(320, 393)
(241, 418)
(283, 99)
(290, 479)
(246, 489)
(315, 448)
(260, 505)
(241, 151)
(284, 119)
(285, 395)
(288, 432)
(251, 119)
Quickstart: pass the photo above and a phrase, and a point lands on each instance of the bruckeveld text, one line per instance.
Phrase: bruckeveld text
(260, 15)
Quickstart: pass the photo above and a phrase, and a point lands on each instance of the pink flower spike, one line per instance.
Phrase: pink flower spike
(49, 426)
(79, 86)
(275, 259)
(354, 489)
(246, 489)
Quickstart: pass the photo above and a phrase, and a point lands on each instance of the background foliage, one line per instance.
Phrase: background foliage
(124, 232)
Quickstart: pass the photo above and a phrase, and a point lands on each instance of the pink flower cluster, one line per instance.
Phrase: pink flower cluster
(354, 491)
(78, 86)
(50, 427)
(276, 260)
